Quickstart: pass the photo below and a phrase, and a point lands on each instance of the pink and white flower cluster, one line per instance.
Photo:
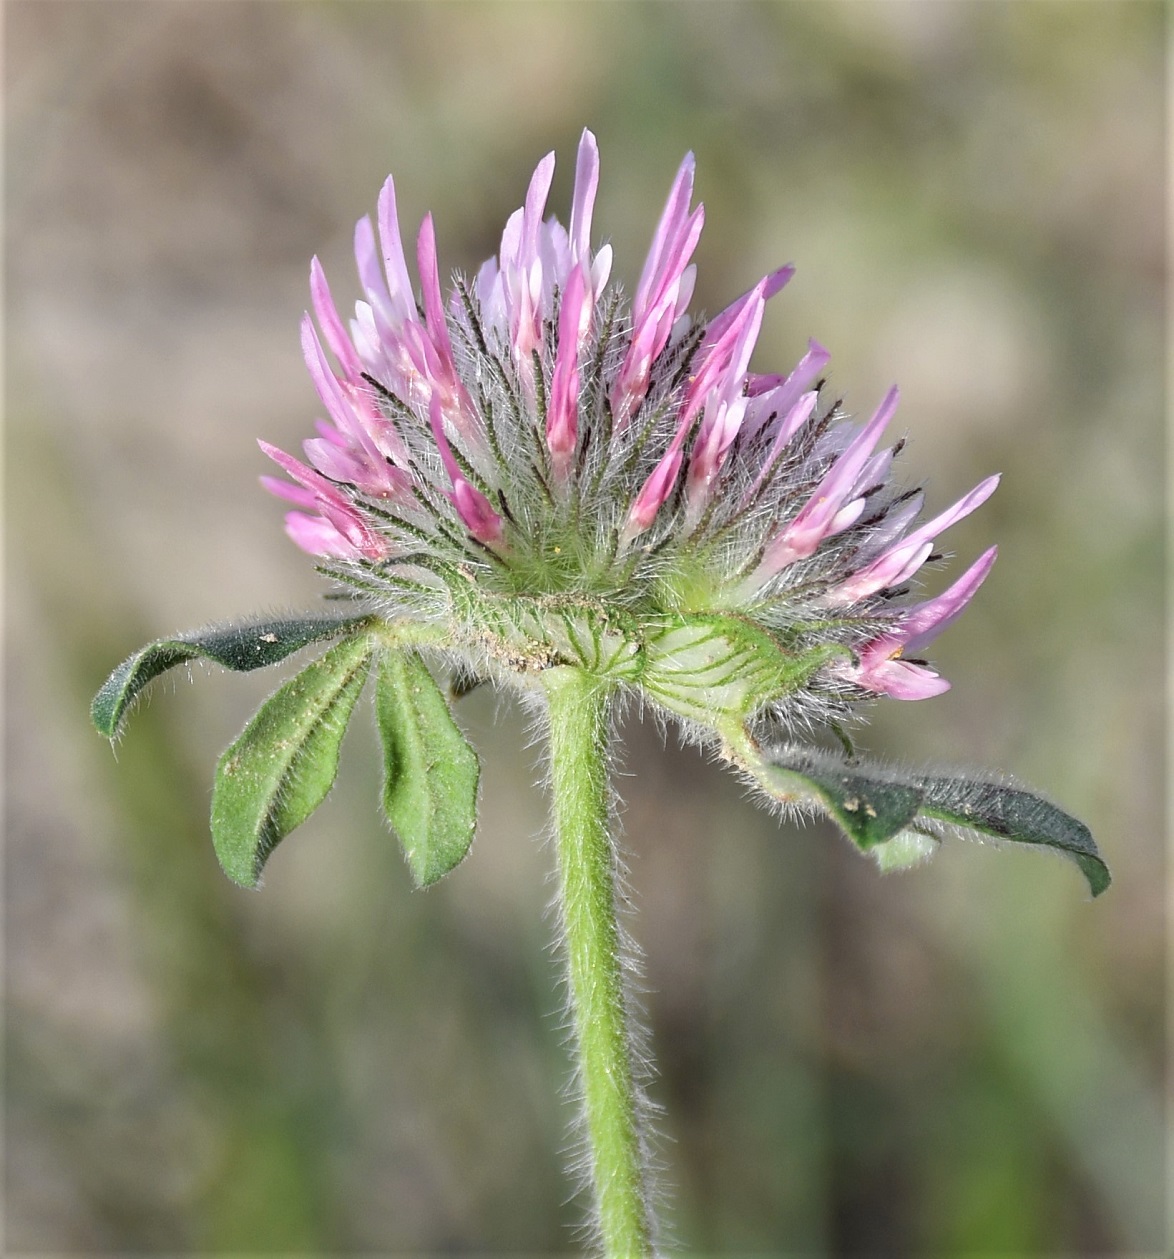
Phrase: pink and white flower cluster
(538, 434)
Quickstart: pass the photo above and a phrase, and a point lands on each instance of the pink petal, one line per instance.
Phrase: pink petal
(724, 359)
(901, 679)
(433, 301)
(324, 379)
(319, 537)
(370, 272)
(291, 493)
(482, 522)
(295, 469)
(661, 295)
(331, 324)
(403, 303)
(536, 195)
(653, 494)
(927, 620)
(667, 240)
(904, 558)
(600, 270)
(805, 373)
(881, 667)
(583, 200)
(562, 416)
(338, 465)
(828, 511)
(721, 424)
(631, 383)
(768, 286)
(788, 426)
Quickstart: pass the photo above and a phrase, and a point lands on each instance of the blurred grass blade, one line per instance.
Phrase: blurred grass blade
(284, 763)
(241, 647)
(431, 772)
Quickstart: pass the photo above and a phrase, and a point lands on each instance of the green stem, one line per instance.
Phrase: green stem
(579, 716)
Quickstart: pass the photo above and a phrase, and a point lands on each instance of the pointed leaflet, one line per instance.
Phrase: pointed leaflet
(431, 772)
(283, 764)
(252, 645)
(1012, 813)
(875, 805)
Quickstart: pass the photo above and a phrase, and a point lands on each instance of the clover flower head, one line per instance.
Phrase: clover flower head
(550, 473)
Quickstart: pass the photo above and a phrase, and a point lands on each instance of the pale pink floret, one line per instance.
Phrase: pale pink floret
(521, 265)
(399, 284)
(482, 522)
(314, 534)
(379, 325)
(801, 376)
(332, 326)
(382, 431)
(598, 266)
(881, 667)
(770, 284)
(318, 536)
(725, 403)
(348, 452)
(773, 397)
(721, 359)
(665, 288)
(363, 541)
(583, 199)
(719, 376)
(439, 365)
(653, 493)
(717, 384)
(786, 425)
(897, 564)
(562, 419)
(672, 245)
(838, 502)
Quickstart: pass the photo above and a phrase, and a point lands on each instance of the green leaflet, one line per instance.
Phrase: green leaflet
(431, 772)
(284, 763)
(253, 645)
(1012, 813)
(869, 807)
(876, 806)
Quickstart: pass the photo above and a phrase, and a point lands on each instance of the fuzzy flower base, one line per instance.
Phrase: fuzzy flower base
(549, 473)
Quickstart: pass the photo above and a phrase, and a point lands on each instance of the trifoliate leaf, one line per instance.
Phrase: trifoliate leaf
(878, 808)
(284, 763)
(431, 772)
(253, 645)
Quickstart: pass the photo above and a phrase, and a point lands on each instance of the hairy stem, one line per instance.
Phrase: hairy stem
(579, 717)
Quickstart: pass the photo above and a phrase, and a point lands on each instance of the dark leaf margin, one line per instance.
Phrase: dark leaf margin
(872, 804)
(240, 647)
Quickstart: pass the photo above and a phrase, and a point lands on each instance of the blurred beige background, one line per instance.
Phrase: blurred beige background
(964, 1059)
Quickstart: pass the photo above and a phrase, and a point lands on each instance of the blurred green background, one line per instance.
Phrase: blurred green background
(966, 1059)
